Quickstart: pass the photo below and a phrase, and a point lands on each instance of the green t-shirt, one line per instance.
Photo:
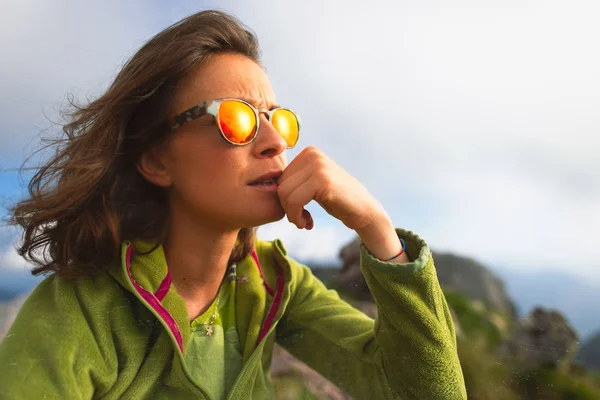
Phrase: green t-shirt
(215, 361)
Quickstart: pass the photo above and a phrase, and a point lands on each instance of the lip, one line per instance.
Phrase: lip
(265, 188)
(269, 175)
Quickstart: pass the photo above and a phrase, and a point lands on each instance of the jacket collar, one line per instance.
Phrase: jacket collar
(260, 296)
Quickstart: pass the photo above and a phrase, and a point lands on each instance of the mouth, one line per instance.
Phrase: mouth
(268, 179)
(268, 182)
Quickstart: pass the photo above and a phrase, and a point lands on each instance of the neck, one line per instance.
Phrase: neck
(197, 257)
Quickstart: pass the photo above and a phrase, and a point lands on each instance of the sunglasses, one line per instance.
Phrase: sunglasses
(238, 121)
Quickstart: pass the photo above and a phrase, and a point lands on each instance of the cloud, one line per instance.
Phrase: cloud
(11, 260)
(322, 244)
(15, 272)
(517, 221)
(55, 48)
(475, 125)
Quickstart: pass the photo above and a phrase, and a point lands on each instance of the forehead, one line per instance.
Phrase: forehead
(225, 76)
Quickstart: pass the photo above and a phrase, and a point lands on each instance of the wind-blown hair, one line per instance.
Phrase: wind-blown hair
(89, 196)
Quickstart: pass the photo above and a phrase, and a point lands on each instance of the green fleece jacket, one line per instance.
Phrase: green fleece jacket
(122, 333)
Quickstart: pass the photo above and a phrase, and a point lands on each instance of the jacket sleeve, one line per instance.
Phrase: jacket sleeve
(407, 352)
(50, 351)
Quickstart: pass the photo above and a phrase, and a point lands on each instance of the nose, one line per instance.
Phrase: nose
(268, 142)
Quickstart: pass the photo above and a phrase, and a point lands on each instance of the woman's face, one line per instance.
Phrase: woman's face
(208, 178)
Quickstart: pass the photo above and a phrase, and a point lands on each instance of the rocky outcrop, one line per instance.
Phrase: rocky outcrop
(351, 277)
(474, 280)
(544, 337)
(589, 354)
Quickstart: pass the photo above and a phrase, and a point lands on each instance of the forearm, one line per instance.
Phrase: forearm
(409, 352)
(415, 329)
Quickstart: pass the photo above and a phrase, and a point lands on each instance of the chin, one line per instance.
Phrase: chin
(263, 217)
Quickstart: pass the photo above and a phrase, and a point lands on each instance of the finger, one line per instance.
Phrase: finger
(303, 161)
(292, 178)
(309, 220)
(288, 186)
(297, 199)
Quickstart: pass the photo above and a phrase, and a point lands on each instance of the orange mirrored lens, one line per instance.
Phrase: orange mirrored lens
(237, 121)
(286, 123)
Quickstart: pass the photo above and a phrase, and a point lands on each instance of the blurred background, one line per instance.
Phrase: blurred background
(475, 124)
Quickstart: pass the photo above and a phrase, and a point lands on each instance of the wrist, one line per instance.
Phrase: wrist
(380, 239)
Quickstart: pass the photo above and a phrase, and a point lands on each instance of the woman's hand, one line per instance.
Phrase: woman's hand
(314, 176)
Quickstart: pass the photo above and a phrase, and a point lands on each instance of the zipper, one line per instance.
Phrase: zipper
(271, 319)
(166, 327)
(191, 379)
(257, 352)
(175, 346)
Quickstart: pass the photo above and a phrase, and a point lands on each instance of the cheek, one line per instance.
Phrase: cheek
(212, 173)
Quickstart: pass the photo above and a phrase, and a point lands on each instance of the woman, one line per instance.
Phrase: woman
(158, 287)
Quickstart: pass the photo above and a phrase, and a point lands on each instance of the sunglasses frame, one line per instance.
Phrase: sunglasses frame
(212, 107)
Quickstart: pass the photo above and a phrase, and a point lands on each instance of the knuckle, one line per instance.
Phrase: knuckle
(313, 151)
(321, 163)
(323, 176)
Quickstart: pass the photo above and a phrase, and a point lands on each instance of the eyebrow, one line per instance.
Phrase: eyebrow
(254, 102)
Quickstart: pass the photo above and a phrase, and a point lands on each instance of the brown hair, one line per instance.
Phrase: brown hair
(89, 196)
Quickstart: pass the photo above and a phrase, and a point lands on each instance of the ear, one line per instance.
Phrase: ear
(153, 167)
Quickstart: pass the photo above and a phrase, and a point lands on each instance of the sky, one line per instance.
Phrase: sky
(475, 124)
